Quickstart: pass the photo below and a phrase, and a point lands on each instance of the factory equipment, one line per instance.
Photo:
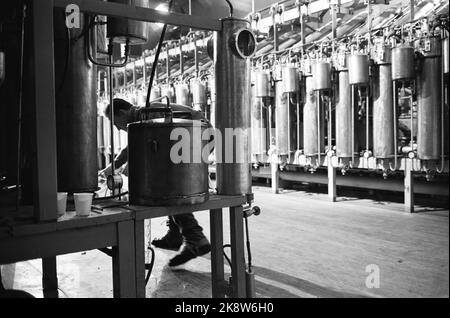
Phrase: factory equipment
(233, 48)
(150, 145)
(181, 93)
(122, 30)
(383, 114)
(358, 79)
(345, 110)
(198, 89)
(76, 111)
(429, 102)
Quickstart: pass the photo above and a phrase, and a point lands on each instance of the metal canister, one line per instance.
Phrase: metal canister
(290, 79)
(182, 93)
(403, 63)
(344, 117)
(358, 69)
(123, 30)
(429, 84)
(155, 93)
(167, 90)
(76, 112)
(263, 85)
(383, 114)
(312, 123)
(321, 74)
(281, 119)
(259, 141)
(198, 94)
(233, 110)
(163, 171)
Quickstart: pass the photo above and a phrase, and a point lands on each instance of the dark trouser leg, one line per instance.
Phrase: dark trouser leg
(190, 229)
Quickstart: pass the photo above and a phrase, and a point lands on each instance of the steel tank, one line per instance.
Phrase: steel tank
(233, 47)
(198, 95)
(403, 63)
(312, 122)
(281, 119)
(358, 69)
(167, 90)
(321, 74)
(263, 85)
(76, 111)
(259, 140)
(163, 171)
(290, 79)
(383, 114)
(344, 117)
(429, 83)
(182, 93)
(155, 93)
(124, 30)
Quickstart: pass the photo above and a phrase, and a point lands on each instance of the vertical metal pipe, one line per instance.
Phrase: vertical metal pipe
(232, 68)
(111, 115)
(383, 116)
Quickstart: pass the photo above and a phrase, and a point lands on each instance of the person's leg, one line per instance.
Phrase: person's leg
(195, 242)
(172, 239)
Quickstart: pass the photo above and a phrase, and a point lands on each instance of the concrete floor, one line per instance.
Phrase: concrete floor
(302, 246)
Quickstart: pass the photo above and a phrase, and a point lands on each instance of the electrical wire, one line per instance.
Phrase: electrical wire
(155, 60)
(230, 6)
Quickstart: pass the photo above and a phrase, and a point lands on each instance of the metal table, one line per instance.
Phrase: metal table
(113, 227)
(215, 205)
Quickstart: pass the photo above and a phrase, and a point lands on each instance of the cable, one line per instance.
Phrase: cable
(230, 6)
(111, 196)
(226, 256)
(155, 60)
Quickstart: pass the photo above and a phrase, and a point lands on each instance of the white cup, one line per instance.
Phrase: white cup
(61, 203)
(83, 203)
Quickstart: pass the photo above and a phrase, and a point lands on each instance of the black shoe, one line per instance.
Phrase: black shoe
(190, 251)
(171, 241)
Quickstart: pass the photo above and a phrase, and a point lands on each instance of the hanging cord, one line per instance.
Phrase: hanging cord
(230, 6)
(19, 111)
(249, 253)
(155, 60)
(226, 256)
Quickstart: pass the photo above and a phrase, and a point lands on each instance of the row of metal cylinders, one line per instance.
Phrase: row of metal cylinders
(395, 69)
(182, 92)
(402, 60)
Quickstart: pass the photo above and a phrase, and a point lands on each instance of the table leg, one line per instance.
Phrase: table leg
(217, 266)
(237, 251)
(49, 277)
(140, 258)
(124, 261)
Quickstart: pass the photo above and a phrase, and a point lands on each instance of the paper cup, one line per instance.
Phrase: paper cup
(61, 203)
(83, 203)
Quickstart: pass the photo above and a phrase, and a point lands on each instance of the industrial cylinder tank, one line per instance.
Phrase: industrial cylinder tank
(344, 117)
(321, 74)
(125, 30)
(155, 93)
(163, 171)
(259, 140)
(198, 95)
(281, 119)
(233, 47)
(76, 111)
(263, 85)
(429, 84)
(167, 90)
(358, 69)
(313, 123)
(290, 78)
(383, 114)
(403, 63)
(182, 93)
